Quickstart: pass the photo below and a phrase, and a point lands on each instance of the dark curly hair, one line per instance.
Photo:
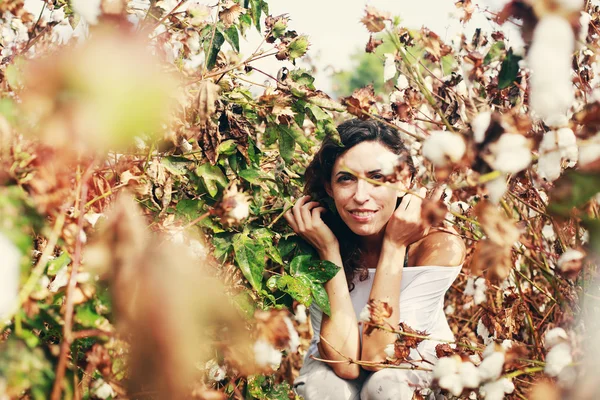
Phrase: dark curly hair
(319, 171)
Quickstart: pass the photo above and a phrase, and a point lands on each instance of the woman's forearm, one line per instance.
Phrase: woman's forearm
(340, 330)
(386, 288)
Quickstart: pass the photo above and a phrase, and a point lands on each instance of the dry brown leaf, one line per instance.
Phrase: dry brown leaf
(208, 94)
(497, 226)
(360, 102)
(374, 19)
(372, 44)
(231, 13)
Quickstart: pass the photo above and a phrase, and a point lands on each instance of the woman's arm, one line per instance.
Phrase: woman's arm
(403, 228)
(386, 287)
(340, 329)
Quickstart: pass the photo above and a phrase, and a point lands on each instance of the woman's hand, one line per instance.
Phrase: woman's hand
(406, 225)
(305, 220)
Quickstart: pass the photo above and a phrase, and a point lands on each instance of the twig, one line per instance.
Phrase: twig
(69, 306)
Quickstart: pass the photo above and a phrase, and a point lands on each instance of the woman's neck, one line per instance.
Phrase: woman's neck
(371, 247)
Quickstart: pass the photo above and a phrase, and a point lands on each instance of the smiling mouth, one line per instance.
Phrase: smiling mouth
(362, 213)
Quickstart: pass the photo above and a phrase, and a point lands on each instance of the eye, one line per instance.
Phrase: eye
(377, 177)
(345, 178)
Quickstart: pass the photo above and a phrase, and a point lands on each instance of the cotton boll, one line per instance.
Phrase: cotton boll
(550, 61)
(387, 162)
(584, 21)
(469, 375)
(294, 342)
(568, 256)
(480, 124)
(555, 336)
(512, 153)
(446, 366)
(266, 355)
(491, 366)
(89, 10)
(442, 146)
(483, 332)
(497, 389)
(300, 315)
(589, 151)
(365, 314)
(569, 5)
(476, 288)
(389, 67)
(402, 82)
(10, 270)
(496, 189)
(390, 350)
(555, 146)
(557, 359)
(451, 383)
(216, 372)
(102, 389)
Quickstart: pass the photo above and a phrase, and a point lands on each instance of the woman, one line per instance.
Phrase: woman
(375, 232)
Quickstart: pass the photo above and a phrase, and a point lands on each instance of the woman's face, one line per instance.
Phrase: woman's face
(364, 206)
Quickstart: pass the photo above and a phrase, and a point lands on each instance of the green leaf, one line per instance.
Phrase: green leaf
(265, 237)
(270, 136)
(250, 258)
(298, 288)
(232, 37)
(8, 110)
(59, 262)
(227, 147)
(298, 262)
(316, 113)
(495, 52)
(223, 246)
(326, 103)
(189, 209)
(509, 70)
(287, 145)
(87, 316)
(303, 77)
(318, 271)
(320, 296)
(212, 49)
(297, 133)
(251, 175)
(573, 190)
(245, 303)
(176, 165)
(212, 177)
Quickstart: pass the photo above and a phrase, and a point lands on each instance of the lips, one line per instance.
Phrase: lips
(362, 215)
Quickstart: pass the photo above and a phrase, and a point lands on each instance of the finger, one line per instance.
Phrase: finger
(289, 217)
(297, 211)
(403, 204)
(316, 215)
(306, 214)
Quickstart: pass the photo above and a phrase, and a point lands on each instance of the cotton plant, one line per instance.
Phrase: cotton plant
(556, 146)
(456, 374)
(559, 356)
(476, 287)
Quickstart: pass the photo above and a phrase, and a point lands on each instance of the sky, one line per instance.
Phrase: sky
(335, 31)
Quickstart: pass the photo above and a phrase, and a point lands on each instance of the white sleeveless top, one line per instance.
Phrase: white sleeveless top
(421, 305)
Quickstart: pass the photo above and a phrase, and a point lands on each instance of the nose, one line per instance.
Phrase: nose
(363, 190)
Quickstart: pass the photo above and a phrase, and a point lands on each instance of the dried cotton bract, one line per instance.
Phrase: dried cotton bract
(442, 146)
(550, 61)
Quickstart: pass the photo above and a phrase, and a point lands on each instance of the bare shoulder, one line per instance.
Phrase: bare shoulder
(440, 247)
